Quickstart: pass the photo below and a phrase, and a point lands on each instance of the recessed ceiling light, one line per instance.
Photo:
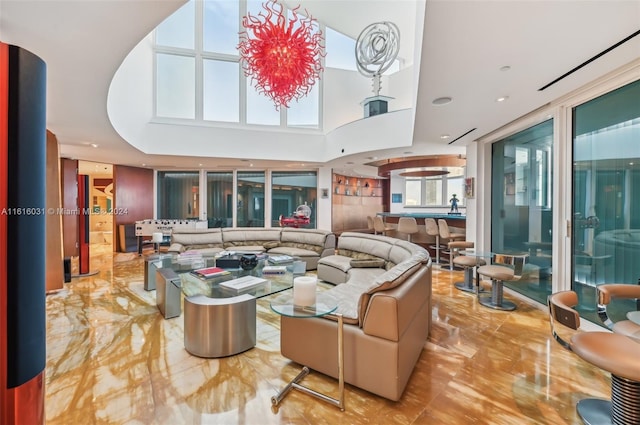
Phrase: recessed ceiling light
(502, 98)
(199, 165)
(505, 68)
(442, 100)
(95, 145)
(144, 165)
(444, 136)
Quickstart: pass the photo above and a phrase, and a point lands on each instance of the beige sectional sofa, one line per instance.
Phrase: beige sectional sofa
(308, 244)
(383, 291)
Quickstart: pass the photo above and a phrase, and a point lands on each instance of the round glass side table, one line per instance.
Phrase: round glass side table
(325, 304)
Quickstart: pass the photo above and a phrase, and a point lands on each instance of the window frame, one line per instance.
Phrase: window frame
(200, 56)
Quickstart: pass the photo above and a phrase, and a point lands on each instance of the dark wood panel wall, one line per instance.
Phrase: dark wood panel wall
(55, 273)
(133, 196)
(70, 235)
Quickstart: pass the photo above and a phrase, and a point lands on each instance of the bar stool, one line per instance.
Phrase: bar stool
(370, 224)
(407, 225)
(431, 228)
(510, 270)
(445, 233)
(468, 263)
(609, 291)
(614, 353)
(454, 248)
(379, 226)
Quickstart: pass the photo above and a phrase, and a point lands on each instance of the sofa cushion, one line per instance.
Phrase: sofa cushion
(309, 239)
(246, 248)
(294, 252)
(361, 245)
(176, 247)
(367, 263)
(394, 277)
(340, 262)
(271, 244)
(207, 237)
(302, 246)
(207, 252)
(249, 236)
(387, 280)
(357, 255)
(402, 250)
(362, 277)
(347, 297)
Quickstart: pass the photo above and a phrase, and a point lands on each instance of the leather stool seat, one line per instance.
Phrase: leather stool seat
(614, 353)
(609, 291)
(617, 354)
(468, 263)
(498, 274)
(465, 261)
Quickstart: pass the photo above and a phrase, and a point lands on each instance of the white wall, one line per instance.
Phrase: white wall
(130, 109)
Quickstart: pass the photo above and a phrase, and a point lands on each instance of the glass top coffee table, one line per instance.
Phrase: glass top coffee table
(325, 304)
(220, 311)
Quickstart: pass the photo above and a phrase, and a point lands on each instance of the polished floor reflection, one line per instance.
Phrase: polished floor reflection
(113, 359)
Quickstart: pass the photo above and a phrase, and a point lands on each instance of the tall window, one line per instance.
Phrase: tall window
(250, 202)
(521, 209)
(606, 189)
(220, 199)
(437, 190)
(178, 195)
(290, 189)
(198, 76)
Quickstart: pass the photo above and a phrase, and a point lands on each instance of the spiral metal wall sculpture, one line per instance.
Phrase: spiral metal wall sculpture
(376, 49)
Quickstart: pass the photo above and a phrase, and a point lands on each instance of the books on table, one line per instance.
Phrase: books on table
(210, 272)
(242, 283)
(280, 259)
(274, 270)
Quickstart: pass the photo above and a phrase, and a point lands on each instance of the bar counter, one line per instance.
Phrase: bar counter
(457, 224)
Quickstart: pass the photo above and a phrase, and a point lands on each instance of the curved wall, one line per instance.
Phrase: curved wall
(130, 109)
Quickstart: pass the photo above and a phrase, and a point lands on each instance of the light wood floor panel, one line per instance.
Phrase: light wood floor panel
(113, 359)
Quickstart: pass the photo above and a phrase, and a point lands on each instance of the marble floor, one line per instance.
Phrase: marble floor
(113, 359)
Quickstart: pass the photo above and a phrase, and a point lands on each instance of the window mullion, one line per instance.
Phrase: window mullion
(199, 86)
(243, 79)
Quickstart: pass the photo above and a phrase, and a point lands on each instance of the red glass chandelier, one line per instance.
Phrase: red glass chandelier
(282, 58)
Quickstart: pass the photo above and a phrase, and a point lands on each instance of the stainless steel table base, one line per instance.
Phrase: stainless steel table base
(219, 327)
(496, 299)
(594, 411)
(467, 285)
(168, 293)
(294, 384)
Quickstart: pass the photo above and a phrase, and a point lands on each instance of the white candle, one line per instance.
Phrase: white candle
(304, 291)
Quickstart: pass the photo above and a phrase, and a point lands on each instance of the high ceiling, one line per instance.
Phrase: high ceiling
(472, 51)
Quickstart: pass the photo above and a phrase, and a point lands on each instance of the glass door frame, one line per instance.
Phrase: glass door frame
(561, 112)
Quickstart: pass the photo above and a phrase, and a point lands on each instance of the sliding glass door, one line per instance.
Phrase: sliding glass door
(521, 210)
(606, 193)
